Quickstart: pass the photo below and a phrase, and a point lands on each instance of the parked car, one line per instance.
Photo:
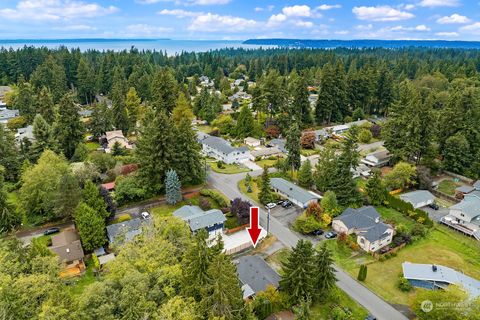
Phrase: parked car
(317, 232)
(145, 215)
(370, 317)
(287, 204)
(330, 235)
(280, 202)
(434, 206)
(270, 205)
(50, 231)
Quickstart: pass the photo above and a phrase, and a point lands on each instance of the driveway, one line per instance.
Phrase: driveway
(436, 215)
(251, 165)
(286, 216)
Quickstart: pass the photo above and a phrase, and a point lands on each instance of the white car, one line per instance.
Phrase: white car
(270, 205)
(145, 215)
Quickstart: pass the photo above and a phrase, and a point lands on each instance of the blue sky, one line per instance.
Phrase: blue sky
(240, 19)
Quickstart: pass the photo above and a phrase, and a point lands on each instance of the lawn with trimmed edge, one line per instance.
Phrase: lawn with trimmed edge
(394, 217)
(166, 210)
(266, 162)
(448, 187)
(228, 168)
(243, 189)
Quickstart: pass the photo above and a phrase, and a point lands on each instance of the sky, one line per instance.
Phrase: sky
(240, 19)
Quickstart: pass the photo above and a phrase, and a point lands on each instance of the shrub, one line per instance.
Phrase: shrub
(306, 224)
(404, 285)
(216, 196)
(96, 262)
(123, 218)
(365, 136)
(220, 164)
(128, 189)
(362, 273)
(204, 204)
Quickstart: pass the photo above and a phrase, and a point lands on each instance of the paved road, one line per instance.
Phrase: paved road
(373, 303)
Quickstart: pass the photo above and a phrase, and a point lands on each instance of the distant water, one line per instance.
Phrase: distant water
(170, 46)
(392, 44)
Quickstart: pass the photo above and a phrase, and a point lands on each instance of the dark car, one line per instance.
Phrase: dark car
(330, 235)
(287, 204)
(317, 232)
(280, 202)
(434, 206)
(51, 231)
(370, 317)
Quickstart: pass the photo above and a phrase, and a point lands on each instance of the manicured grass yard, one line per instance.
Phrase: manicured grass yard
(448, 187)
(254, 194)
(228, 168)
(166, 210)
(308, 152)
(92, 146)
(442, 246)
(266, 162)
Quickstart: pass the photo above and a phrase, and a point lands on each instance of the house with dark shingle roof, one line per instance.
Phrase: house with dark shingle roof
(197, 219)
(221, 149)
(418, 198)
(7, 114)
(255, 275)
(120, 232)
(294, 193)
(68, 247)
(372, 233)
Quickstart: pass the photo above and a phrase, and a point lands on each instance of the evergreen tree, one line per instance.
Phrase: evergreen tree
(457, 153)
(51, 74)
(195, 263)
(81, 153)
(302, 310)
(156, 149)
(297, 279)
(164, 91)
(375, 189)
(245, 123)
(101, 120)
(325, 169)
(118, 94)
(173, 190)
(300, 101)
(224, 296)
(305, 175)
(265, 195)
(182, 110)
(93, 199)
(331, 103)
(189, 164)
(110, 203)
(91, 227)
(293, 146)
(85, 81)
(45, 106)
(384, 95)
(132, 104)
(325, 278)
(9, 218)
(68, 129)
(9, 159)
(25, 100)
(329, 204)
(117, 149)
(67, 197)
(43, 137)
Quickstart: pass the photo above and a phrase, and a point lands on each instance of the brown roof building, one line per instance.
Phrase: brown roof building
(69, 249)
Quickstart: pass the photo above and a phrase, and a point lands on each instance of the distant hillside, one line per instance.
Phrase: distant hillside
(324, 44)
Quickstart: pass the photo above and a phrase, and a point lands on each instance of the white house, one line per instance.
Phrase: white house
(221, 149)
(117, 136)
(25, 133)
(418, 198)
(465, 216)
(372, 233)
(7, 114)
(377, 159)
(294, 193)
(252, 142)
(197, 219)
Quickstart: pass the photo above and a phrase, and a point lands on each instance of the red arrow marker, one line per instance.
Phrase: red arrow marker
(254, 229)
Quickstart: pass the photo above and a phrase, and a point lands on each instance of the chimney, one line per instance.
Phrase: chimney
(434, 268)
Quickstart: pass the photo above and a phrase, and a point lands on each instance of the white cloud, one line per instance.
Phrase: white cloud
(325, 7)
(297, 11)
(381, 13)
(439, 3)
(258, 9)
(420, 27)
(213, 22)
(364, 27)
(276, 20)
(179, 13)
(134, 30)
(454, 18)
(342, 32)
(187, 2)
(303, 24)
(76, 27)
(471, 28)
(55, 10)
(408, 6)
(447, 34)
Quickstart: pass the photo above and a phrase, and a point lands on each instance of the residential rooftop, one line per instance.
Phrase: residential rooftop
(255, 275)
(292, 190)
(367, 221)
(199, 219)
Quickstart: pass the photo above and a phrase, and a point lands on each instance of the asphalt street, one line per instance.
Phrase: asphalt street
(374, 304)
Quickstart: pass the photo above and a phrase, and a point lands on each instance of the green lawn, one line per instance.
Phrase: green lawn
(79, 284)
(165, 210)
(228, 168)
(205, 128)
(254, 194)
(308, 152)
(92, 146)
(394, 217)
(448, 187)
(275, 260)
(266, 162)
(442, 246)
(338, 298)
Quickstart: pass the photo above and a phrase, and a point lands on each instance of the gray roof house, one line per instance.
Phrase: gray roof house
(372, 233)
(377, 159)
(464, 189)
(434, 277)
(476, 185)
(279, 143)
(7, 114)
(127, 230)
(211, 220)
(221, 149)
(294, 193)
(25, 133)
(255, 275)
(418, 198)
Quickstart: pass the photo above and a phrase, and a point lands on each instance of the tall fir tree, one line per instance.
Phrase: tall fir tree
(118, 95)
(173, 190)
(91, 227)
(293, 146)
(9, 218)
(375, 189)
(51, 74)
(164, 91)
(68, 129)
(245, 123)
(25, 100)
(9, 158)
(85, 81)
(93, 199)
(300, 101)
(67, 197)
(132, 104)
(325, 279)
(43, 137)
(101, 120)
(156, 149)
(297, 279)
(182, 110)
(45, 106)
(189, 163)
(265, 195)
(305, 175)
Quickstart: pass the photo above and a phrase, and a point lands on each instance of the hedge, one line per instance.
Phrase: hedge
(215, 195)
(407, 209)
